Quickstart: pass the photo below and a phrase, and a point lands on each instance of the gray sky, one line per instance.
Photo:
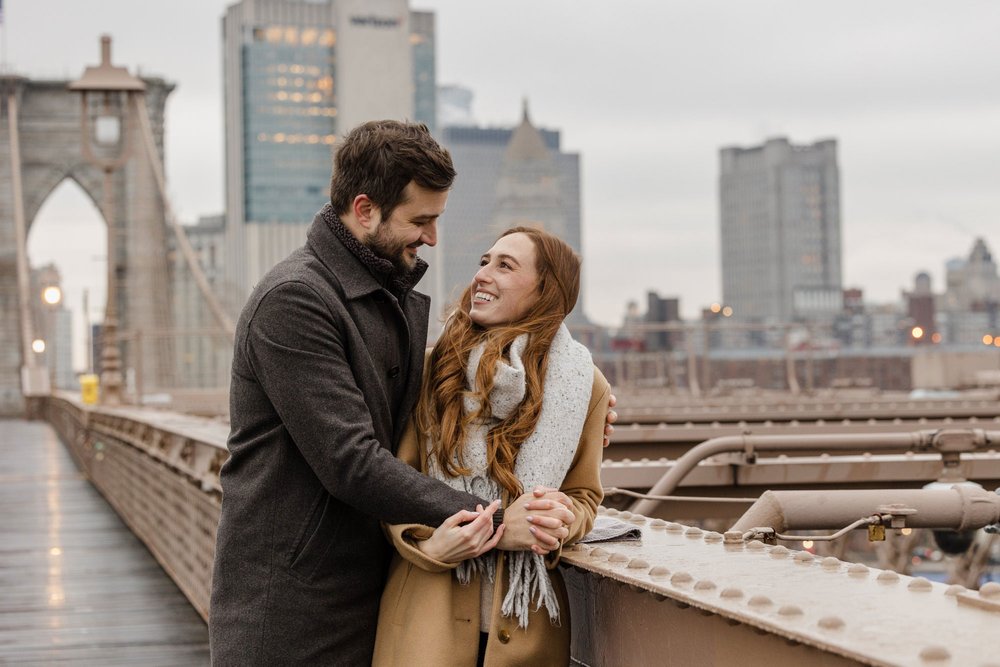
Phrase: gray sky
(647, 91)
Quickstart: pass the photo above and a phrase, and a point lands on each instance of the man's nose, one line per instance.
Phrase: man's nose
(430, 234)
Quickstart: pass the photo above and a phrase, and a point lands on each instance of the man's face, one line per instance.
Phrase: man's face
(412, 224)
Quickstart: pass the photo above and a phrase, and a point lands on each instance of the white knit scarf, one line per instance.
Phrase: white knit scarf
(543, 459)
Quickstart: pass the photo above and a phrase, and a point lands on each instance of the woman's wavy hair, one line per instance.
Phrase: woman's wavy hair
(440, 413)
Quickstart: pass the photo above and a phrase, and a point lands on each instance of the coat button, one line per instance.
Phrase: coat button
(394, 372)
(504, 636)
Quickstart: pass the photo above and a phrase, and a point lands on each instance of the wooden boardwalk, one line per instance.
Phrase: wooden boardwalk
(76, 587)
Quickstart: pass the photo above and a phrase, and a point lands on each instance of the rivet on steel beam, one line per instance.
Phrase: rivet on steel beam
(681, 578)
(731, 593)
(675, 528)
(599, 553)
(732, 537)
(704, 585)
(759, 601)
(693, 532)
(755, 545)
(618, 558)
(638, 564)
(625, 515)
(659, 524)
(637, 518)
(830, 563)
(887, 577)
(804, 557)
(934, 654)
(658, 571)
(713, 537)
(955, 589)
(857, 570)
(779, 551)
(790, 610)
(919, 584)
(611, 511)
(601, 509)
(990, 591)
(831, 623)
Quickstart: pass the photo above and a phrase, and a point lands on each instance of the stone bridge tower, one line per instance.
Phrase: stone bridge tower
(40, 147)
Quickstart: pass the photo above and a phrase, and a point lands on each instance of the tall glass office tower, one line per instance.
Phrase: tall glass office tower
(299, 74)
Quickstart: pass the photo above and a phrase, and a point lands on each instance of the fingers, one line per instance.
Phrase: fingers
(612, 400)
(460, 517)
(492, 542)
(553, 501)
(540, 491)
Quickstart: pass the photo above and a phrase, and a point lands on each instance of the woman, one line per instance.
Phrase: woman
(509, 402)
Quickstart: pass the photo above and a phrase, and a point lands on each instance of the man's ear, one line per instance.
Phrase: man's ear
(365, 212)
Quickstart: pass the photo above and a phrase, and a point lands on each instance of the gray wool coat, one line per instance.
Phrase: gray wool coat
(300, 557)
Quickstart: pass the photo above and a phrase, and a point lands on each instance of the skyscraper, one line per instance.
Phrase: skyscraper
(506, 177)
(779, 214)
(298, 74)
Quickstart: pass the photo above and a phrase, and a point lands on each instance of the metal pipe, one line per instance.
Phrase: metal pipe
(790, 443)
(962, 507)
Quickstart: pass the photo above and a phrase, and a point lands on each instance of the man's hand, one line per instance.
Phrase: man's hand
(537, 521)
(463, 535)
(612, 417)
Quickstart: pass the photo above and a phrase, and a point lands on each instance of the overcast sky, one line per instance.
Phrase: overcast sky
(647, 91)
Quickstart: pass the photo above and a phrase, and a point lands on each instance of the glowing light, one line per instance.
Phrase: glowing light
(52, 295)
(987, 339)
(715, 307)
(727, 311)
(917, 333)
(935, 337)
(38, 346)
(996, 341)
(807, 544)
(906, 531)
(55, 551)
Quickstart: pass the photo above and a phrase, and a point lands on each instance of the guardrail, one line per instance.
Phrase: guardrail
(679, 595)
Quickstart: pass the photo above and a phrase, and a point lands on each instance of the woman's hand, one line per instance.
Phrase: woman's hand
(537, 521)
(463, 535)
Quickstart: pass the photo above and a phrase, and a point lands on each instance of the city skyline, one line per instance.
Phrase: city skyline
(908, 92)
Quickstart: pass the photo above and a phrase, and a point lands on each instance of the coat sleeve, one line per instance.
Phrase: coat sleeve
(404, 536)
(295, 347)
(583, 480)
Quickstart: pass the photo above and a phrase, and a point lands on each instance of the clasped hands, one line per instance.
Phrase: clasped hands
(537, 521)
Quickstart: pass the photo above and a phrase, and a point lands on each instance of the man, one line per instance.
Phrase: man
(326, 369)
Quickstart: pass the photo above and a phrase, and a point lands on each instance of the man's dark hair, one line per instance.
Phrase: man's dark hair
(379, 158)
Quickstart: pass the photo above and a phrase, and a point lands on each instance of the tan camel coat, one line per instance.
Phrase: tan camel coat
(428, 618)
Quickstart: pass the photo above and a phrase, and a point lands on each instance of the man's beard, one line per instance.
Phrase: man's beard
(386, 247)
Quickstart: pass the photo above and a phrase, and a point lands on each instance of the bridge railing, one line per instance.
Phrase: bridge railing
(160, 472)
(679, 594)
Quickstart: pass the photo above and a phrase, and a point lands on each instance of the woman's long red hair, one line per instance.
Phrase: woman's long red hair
(440, 413)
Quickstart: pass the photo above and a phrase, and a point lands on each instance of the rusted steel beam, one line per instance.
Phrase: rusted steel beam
(962, 507)
(681, 595)
(946, 441)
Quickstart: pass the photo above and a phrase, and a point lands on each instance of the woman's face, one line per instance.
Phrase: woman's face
(506, 285)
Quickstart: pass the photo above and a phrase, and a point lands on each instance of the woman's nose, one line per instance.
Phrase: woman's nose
(483, 274)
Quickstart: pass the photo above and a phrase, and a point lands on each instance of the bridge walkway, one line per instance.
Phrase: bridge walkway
(76, 586)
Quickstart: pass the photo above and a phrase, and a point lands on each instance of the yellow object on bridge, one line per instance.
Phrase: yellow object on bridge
(89, 389)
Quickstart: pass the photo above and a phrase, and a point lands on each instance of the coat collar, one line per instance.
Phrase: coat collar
(358, 269)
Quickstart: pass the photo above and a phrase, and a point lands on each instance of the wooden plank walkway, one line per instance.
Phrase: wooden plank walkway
(76, 587)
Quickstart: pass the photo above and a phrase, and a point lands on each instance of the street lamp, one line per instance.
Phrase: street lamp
(106, 96)
(52, 295)
(38, 346)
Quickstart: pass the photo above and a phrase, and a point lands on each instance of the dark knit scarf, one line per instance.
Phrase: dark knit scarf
(381, 268)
